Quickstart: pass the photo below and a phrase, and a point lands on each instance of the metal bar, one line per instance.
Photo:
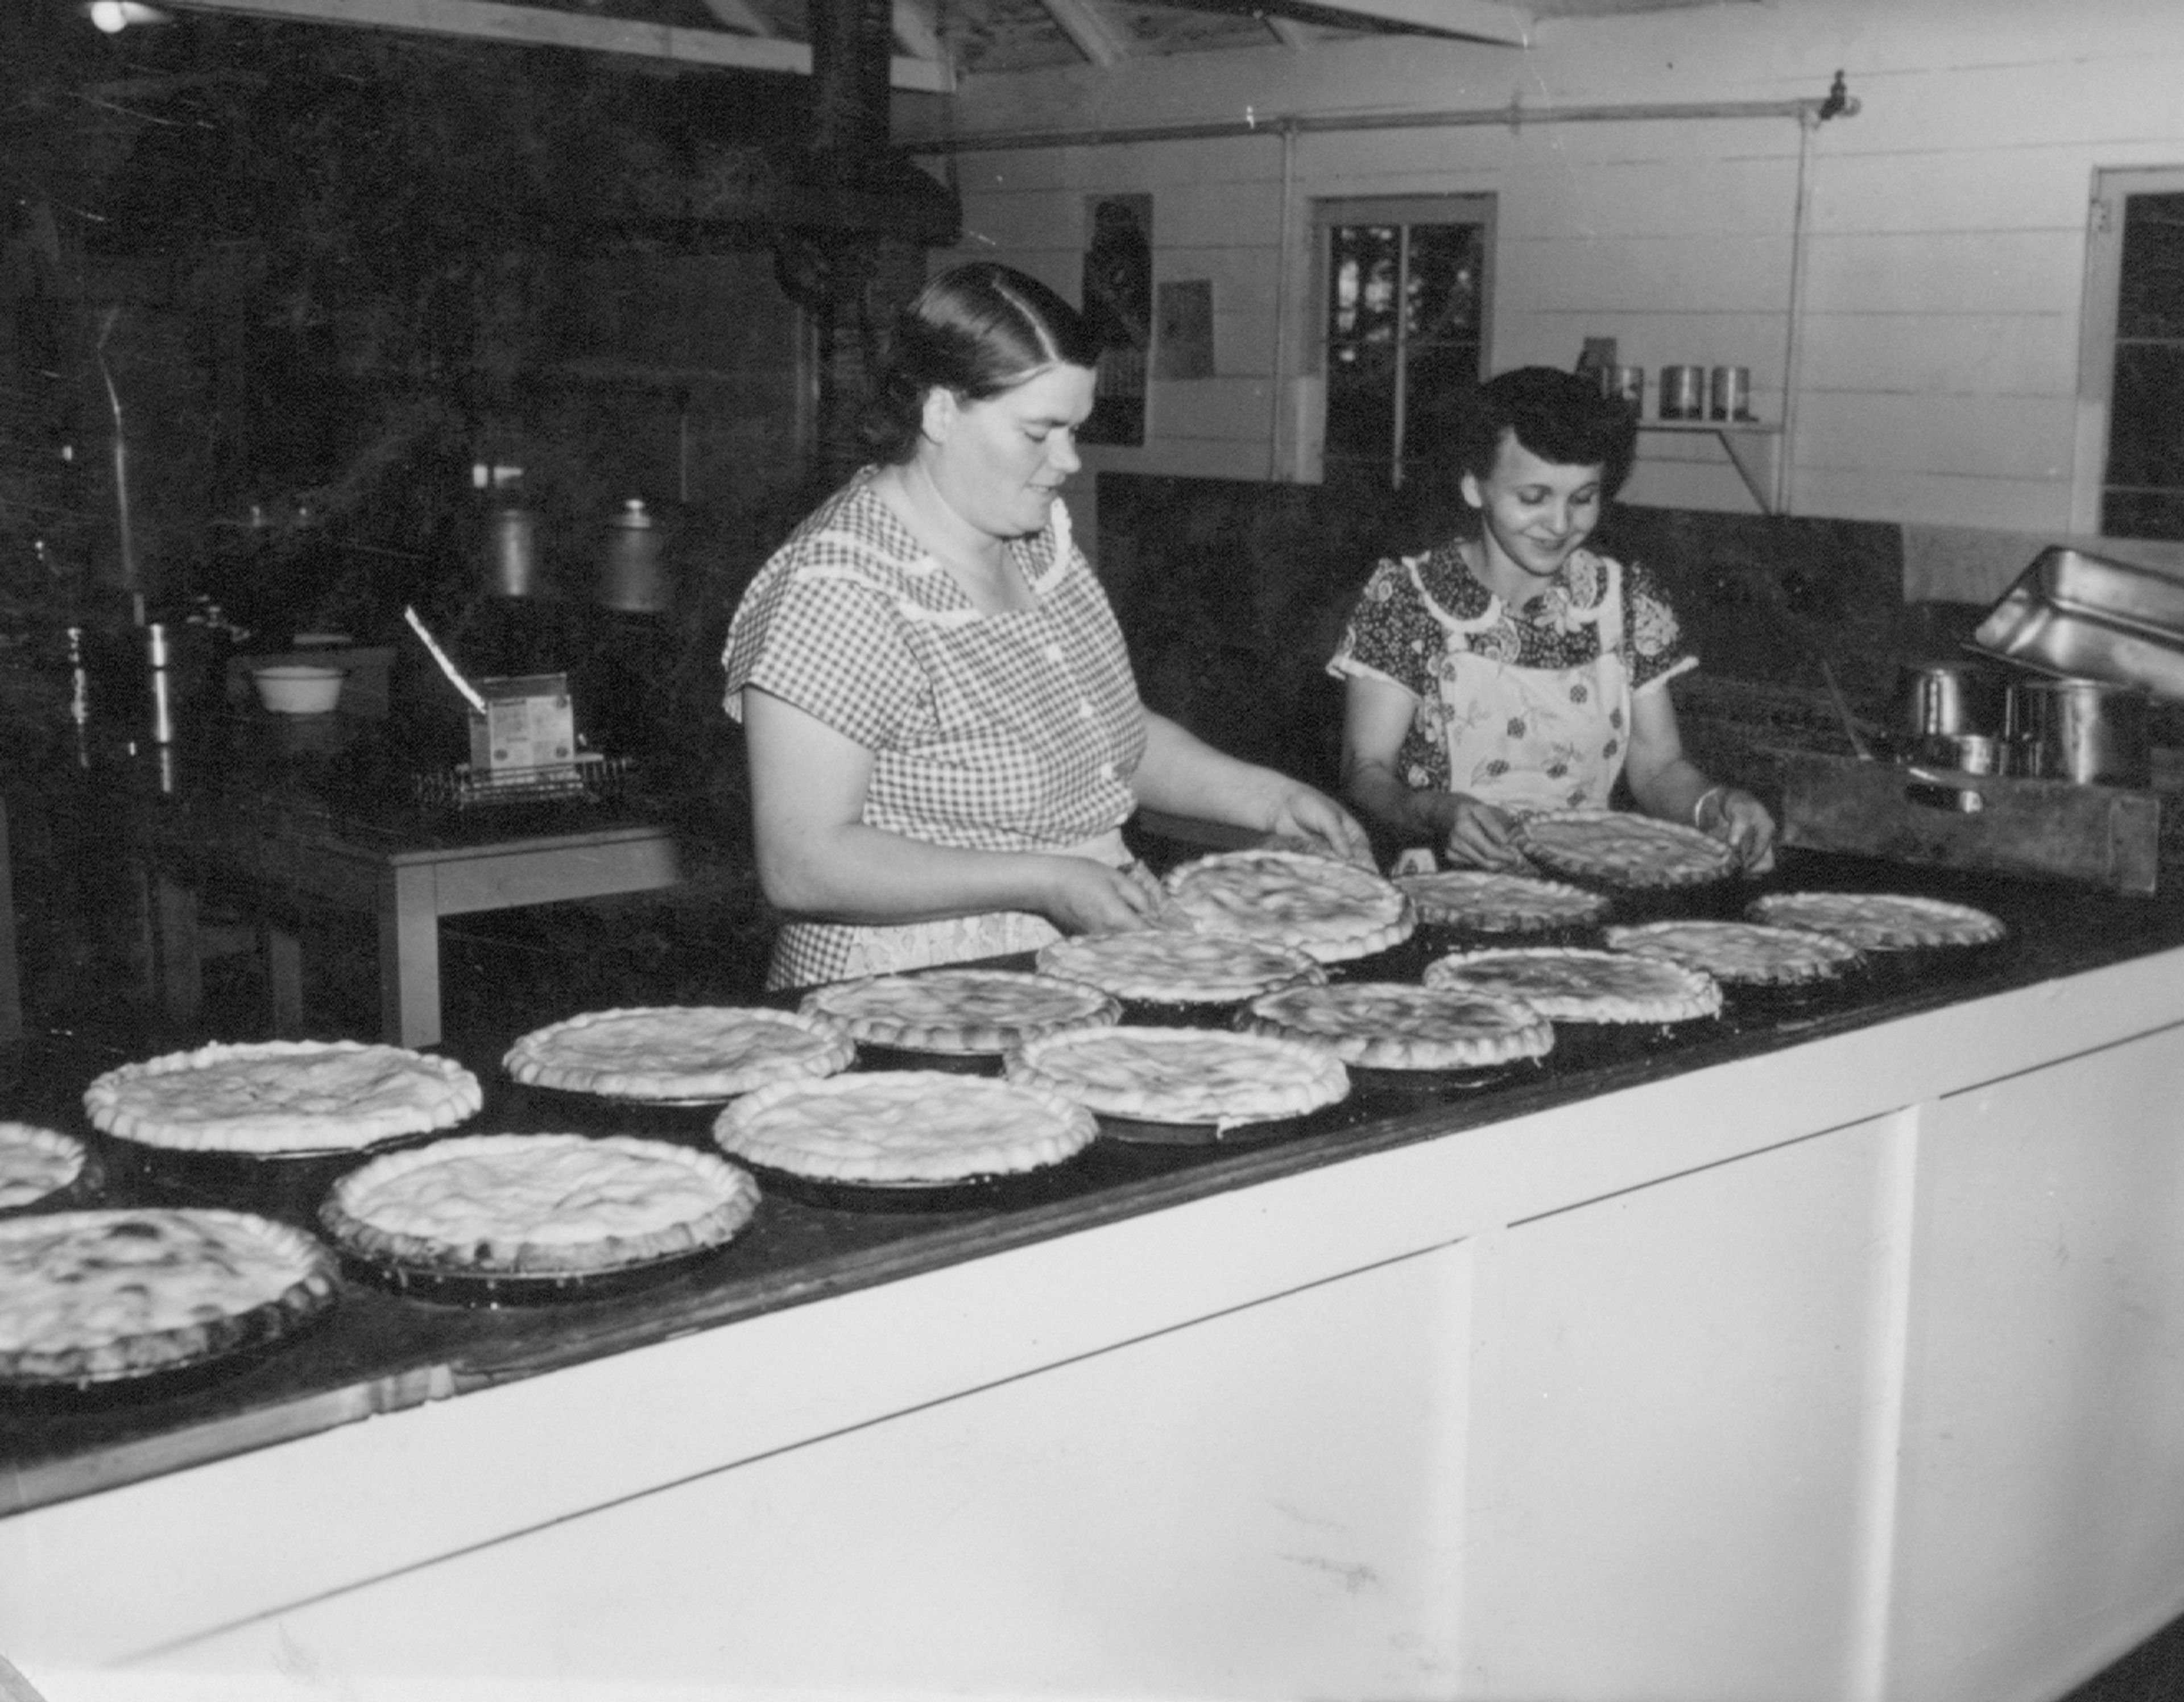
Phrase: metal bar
(1516, 116)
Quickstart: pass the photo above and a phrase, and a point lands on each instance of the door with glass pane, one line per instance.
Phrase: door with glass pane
(1405, 287)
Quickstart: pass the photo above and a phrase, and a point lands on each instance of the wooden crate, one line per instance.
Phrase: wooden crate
(2106, 836)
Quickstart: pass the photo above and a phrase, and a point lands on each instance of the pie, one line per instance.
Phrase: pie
(276, 1097)
(36, 1163)
(679, 1051)
(1621, 848)
(93, 1296)
(529, 1205)
(958, 1010)
(1183, 1075)
(1880, 921)
(1570, 985)
(1161, 965)
(1332, 910)
(1393, 1025)
(1752, 953)
(903, 1126)
(1488, 902)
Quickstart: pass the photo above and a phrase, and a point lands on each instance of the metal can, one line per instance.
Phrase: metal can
(1683, 393)
(1731, 392)
(1626, 384)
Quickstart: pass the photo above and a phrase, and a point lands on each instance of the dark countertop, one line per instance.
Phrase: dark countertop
(377, 1351)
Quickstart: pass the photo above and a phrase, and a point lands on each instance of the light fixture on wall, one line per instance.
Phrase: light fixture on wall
(113, 16)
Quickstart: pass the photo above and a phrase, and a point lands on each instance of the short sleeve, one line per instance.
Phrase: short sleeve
(832, 645)
(1656, 642)
(1389, 634)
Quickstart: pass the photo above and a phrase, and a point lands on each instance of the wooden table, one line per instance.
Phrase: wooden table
(408, 881)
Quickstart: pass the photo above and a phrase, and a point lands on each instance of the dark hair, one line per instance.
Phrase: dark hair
(1559, 416)
(976, 330)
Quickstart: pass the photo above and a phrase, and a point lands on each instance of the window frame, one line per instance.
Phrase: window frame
(2098, 330)
(1456, 207)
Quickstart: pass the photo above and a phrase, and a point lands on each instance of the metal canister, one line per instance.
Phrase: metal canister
(1683, 393)
(2087, 730)
(511, 555)
(1625, 384)
(1729, 393)
(632, 574)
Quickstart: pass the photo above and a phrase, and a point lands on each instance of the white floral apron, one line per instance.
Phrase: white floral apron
(1527, 739)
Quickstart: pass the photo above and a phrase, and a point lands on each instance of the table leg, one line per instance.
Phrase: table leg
(283, 952)
(409, 955)
(181, 970)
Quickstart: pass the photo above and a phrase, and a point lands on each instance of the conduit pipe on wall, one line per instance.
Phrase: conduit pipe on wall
(1809, 114)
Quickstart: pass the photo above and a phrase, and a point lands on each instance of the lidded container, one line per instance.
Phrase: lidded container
(632, 568)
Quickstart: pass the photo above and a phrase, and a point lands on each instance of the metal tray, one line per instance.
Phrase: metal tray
(2087, 617)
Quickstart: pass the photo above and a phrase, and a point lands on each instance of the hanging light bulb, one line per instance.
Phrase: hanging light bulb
(113, 16)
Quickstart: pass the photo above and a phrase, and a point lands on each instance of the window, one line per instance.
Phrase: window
(2134, 352)
(1405, 285)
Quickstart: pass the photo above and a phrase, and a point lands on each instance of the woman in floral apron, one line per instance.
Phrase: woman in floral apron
(944, 732)
(1517, 669)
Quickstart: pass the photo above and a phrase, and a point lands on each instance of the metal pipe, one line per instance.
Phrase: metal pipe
(1793, 336)
(1516, 116)
(1277, 438)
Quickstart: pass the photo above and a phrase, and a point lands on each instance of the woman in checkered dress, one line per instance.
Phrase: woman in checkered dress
(1517, 669)
(945, 736)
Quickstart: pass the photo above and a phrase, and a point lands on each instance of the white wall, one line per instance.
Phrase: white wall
(1947, 250)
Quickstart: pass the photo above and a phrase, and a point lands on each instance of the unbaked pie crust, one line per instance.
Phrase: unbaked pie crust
(1491, 902)
(1566, 985)
(278, 1096)
(903, 1126)
(1621, 848)
(1393, 1025)
(1332, 910)
(679, 1051)
(1880, 921)
(1182, 1074)
(1745, 953)
(1161, 965)
(36, 1164)
(953, 1010)
(92, 1297)
(528, 1205)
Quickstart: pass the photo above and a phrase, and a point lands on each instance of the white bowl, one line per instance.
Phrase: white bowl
(298, 688)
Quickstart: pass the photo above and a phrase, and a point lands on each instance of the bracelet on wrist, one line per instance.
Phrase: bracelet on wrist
(1715, 794)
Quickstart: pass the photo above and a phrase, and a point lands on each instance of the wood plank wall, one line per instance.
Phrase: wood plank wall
(1948, 233)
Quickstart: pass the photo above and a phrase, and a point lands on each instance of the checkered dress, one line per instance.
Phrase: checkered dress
(1011, 732)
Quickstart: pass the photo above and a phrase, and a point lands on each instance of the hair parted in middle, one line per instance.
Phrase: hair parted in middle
(976, 329)
(1560, 416)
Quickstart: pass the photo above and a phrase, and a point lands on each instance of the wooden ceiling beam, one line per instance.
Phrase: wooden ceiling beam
(492, 20)
(1087, 28)
(742, 16)
(917, 30)
(1475, 20)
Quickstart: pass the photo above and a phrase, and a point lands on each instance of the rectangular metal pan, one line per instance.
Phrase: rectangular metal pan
(2087, 617)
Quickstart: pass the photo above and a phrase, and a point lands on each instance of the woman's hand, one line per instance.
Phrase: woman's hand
(1741, 822)
(1303, 813)
(1476, 835)
(1089, 897)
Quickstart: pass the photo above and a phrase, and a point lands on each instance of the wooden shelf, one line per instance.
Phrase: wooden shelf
(1754, 448)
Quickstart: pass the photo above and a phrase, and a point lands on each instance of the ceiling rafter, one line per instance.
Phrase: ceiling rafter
(1475, 20)
(917, 30)
(494, 20)
(1088, 29)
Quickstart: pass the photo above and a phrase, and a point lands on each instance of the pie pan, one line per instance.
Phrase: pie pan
(1145, 1131)
(494, 1218)
(1372, 1082)
(1055, 1181)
